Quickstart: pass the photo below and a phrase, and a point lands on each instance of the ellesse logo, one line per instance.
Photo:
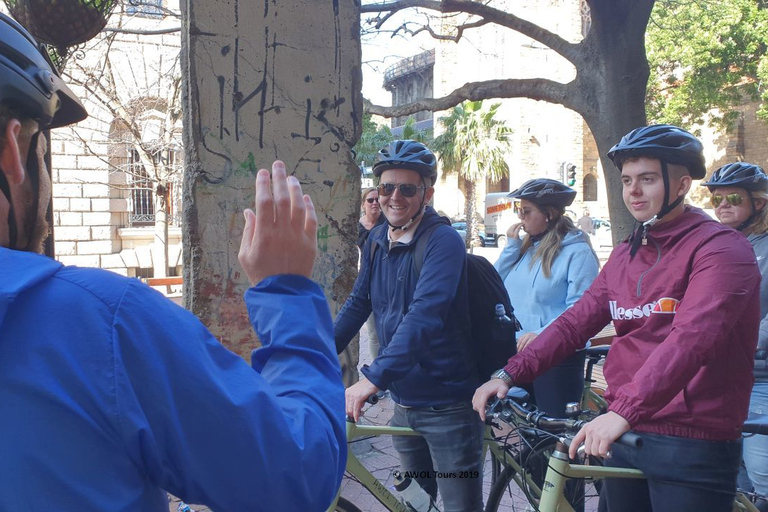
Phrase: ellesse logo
(663, 306)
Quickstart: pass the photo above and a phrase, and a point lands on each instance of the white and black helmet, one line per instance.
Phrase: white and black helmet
(545, 192)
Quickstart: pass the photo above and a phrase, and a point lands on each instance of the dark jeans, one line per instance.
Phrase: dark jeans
(683, 475)
(448, 451)
(559, 385)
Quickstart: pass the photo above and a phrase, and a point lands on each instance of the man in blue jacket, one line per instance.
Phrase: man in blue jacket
(110, 394)
(422, 319)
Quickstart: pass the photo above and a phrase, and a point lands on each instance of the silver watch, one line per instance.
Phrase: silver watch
(501, 374)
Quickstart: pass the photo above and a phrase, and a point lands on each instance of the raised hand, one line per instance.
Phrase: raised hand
(280, 234)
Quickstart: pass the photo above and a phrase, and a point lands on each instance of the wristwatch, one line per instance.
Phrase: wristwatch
(501, 374)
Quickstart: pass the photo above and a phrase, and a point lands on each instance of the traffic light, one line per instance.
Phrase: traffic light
(571, 175)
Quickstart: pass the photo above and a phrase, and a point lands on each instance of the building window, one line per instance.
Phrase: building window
(589, 187)
(142, 193)
(152, 8)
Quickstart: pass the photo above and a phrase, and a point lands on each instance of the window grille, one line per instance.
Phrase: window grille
(150, 8)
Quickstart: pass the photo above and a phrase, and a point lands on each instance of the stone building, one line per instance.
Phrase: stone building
(105, 169)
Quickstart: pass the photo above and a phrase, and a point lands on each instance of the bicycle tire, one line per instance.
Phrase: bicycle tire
(344, 505)
(506, 489)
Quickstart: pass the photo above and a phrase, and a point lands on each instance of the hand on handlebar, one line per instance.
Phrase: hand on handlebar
(485, 392)
(599, 434)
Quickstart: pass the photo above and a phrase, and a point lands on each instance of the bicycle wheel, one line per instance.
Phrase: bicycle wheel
(346, 506)
(507, 494)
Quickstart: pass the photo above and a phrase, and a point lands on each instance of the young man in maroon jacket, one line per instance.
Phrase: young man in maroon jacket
(683, 294)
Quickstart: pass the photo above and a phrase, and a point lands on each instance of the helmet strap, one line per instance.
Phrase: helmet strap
(13, 234)
(751, 218)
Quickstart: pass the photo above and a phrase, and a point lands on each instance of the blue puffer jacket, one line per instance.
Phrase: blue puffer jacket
(422, 323)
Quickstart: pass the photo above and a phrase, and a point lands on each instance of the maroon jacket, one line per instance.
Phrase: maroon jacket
(686, 310)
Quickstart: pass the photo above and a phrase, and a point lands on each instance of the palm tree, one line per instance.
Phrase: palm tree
(474, 144)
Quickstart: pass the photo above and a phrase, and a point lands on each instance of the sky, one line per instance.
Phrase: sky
(381, 50)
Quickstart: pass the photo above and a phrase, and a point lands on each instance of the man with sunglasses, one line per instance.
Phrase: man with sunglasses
(422, 320)
(110, 394)
(683, 294)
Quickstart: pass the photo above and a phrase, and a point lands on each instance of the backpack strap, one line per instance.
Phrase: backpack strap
(421, 248)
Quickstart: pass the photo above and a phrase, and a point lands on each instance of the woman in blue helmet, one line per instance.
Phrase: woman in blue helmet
(545, 273)
(739, 196)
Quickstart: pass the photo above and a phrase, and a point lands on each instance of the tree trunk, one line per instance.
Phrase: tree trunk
(160, 243)
(469, 214)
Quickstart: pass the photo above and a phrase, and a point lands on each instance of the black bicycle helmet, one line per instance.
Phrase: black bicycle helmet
(544, 191)
(407, 154)
(739, 174)
(663, 141)
(30, 83)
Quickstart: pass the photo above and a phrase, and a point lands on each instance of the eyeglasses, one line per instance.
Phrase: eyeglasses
(372, 200)
(733, 199)
(406, 189)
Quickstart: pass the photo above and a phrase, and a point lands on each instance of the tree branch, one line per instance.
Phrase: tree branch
(534, 88)
(159, 31)
(568, 50)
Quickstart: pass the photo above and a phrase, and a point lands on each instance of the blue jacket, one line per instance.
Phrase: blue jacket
(538, 299)
(111, 394)
(422, 322)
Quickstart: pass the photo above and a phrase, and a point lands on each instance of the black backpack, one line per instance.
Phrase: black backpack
(485, 289)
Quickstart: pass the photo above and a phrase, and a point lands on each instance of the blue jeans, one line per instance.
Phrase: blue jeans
(683, 475)
(559, 385)
(756, 446)
(447, 455)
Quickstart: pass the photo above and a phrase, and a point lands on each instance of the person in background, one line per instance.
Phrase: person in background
(371, 218)
(739, 196)
(586, 223)
(110, 394)
(545, 273)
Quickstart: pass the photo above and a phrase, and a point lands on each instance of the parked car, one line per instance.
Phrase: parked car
(602, 236)
(461, 228)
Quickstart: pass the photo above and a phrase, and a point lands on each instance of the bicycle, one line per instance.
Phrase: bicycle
(514, 410)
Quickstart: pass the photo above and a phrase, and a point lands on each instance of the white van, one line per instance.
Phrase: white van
(499, 215)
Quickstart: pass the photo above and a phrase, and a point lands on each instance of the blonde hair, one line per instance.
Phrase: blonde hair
(759, 225)
(558, 225)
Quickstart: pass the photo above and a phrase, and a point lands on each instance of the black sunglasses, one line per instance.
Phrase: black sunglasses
(406, 189)
(372, 200)
(733, 199)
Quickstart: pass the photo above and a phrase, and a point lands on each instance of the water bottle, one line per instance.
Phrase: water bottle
(412, 494)
(503, 327)
(183, 507)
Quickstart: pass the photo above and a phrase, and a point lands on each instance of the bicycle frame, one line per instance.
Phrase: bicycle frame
(553, 500)
(389, 499)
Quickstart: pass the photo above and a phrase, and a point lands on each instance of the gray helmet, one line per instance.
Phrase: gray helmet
(407, 154)
(30, 83)
(739, 174)
(663, 141)
(545, 192)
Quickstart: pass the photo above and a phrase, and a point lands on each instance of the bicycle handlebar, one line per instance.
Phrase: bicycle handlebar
(513, 409)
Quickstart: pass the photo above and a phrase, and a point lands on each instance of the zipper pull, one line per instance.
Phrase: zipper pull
(645, 237)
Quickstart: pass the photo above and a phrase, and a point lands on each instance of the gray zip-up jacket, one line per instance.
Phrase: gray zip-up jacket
(760, 245)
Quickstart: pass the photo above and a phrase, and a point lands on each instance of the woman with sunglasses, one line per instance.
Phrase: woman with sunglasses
(371, 218)
(739, 196)
(545, 273)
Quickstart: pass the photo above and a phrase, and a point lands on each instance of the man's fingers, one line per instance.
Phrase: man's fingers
(263, 206)
(298, 208)
(247, 240)
(310, 219)
(280, 192)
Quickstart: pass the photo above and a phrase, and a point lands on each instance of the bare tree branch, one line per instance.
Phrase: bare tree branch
(159, 31)
(534, 88)
(568, 50)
